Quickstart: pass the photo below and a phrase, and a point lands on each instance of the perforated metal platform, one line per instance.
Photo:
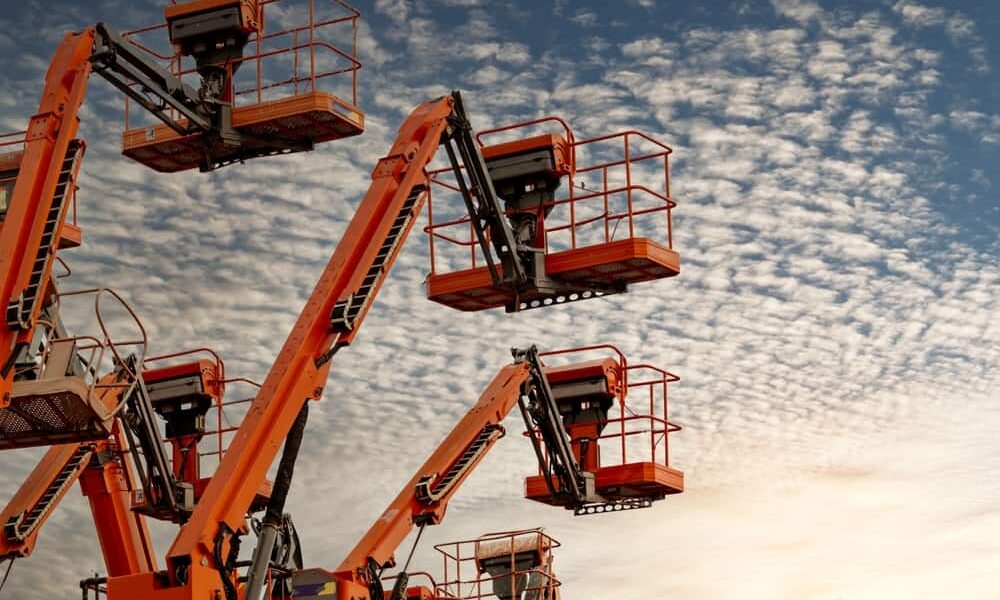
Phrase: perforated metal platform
(52, 411)
(623, 262)
(276, 127)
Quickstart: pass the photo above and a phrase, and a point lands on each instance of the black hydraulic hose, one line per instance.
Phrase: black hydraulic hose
(271, 523)
(286, 469)
(10, 566)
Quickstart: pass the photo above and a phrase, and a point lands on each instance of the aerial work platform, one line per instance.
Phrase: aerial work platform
(59, 407)
(614, 266)
(592, 217)
(299, 122)
(284, 86)
(616, 416)
(57, 396)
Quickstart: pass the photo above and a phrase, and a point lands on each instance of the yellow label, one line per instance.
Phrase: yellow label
(329, 589)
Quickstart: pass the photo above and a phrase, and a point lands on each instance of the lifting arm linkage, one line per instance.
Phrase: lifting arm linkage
(127, 68)
(28, 238)
(486, 214)
(424, 499)
(329, 321)
(108, 483)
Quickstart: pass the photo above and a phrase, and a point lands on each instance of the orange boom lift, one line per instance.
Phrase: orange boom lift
(566, 409)
(101, 402)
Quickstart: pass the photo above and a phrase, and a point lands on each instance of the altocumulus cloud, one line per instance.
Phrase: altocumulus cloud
(835, 324)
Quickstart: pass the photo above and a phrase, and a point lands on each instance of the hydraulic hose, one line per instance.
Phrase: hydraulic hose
(271, 523)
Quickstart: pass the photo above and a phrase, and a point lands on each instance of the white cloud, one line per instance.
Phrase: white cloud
(834, 331)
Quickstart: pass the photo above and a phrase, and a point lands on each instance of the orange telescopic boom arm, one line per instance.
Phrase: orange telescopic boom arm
(424, 499)
(33, 224)
(329, 321)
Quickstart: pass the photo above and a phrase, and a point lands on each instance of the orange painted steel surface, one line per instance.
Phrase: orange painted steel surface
(556, 144)
(611, 223)
(398, 519)
(46, 143)
(108, 485)
(629, 451)
(316, 116)
(633, 261)
(293, 84)
(633, 480)
(299, 372)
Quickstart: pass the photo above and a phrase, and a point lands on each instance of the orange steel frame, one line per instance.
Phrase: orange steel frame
(301, 368)
(107, 481)
(108, 486)
(309, 46)
(463, 579)
(30, 493)
(646, 472)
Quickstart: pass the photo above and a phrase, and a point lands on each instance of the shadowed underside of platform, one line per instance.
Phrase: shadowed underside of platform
(282, 126)
(634, 260)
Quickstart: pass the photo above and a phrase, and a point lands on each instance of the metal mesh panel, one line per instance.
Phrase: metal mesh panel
(49, 418)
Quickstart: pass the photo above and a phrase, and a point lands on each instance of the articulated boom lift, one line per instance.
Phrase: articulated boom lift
(108, 411)
(330, 321)
(568, 407)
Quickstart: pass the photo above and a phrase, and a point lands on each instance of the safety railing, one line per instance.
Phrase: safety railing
(99, 352)
(638, 426)
(512, 564)
(617, 188)
(226, 424)
(11, 151)
(305, 46)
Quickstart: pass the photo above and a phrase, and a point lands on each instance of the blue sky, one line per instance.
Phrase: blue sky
(836, 323)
